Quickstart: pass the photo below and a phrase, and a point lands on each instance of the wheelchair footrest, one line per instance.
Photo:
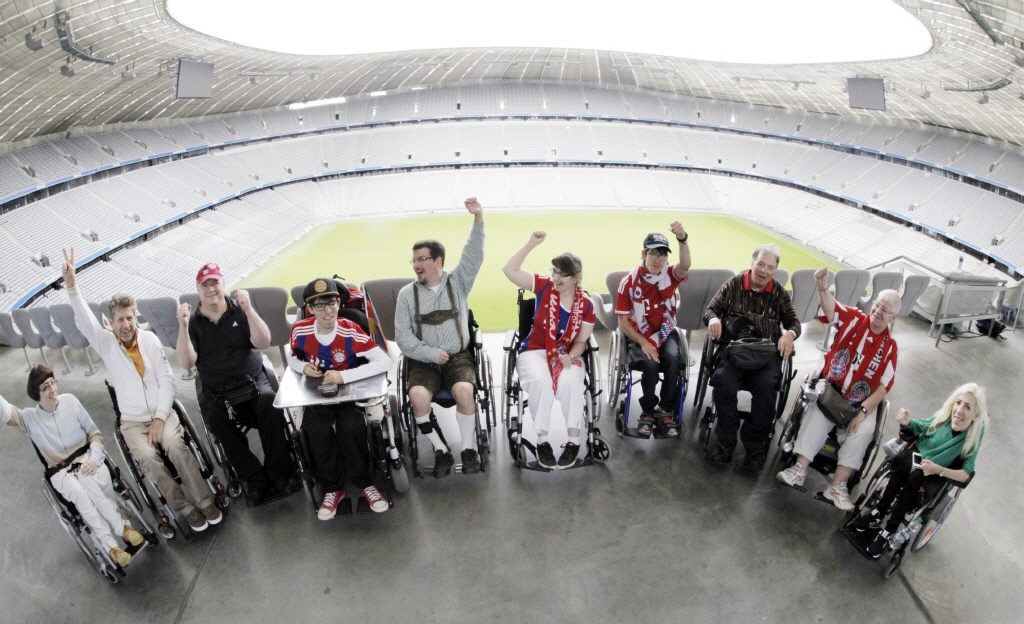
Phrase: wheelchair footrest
(860, 540)
(362, 506)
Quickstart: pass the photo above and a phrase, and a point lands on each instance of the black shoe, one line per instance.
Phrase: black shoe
(868, 522)
(470, 461)
(259, 493)
(546, 456)
(568, 457)
(877, 547)
(287, 486)
(753, 460)
(443, 462)
(719, 455)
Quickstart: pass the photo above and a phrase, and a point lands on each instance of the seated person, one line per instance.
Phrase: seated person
(432, 330)
(138, 369)
(861, 365)
(947, 444)
(71, 446)
(646, 307)
(550, 365)
(752, 299)
(222, 338)
(336, 351)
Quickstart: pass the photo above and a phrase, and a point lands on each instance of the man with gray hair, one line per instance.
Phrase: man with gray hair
(750, 304)
(138, 370)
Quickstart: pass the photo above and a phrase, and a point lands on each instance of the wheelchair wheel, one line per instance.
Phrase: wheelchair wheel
(932, 525)
(703, 374)
(400, 477)
(613, 370)
(704, 428)
(893, 565)
(96, 560)
(599, 451)
(620, 421)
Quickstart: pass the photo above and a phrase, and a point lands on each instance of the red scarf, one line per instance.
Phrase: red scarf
(554, 346)
(666, 291)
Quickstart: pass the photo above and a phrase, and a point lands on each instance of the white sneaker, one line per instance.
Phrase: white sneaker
(839, 496)
(793, 476)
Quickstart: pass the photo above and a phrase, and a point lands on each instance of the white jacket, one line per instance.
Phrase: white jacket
(139, 399)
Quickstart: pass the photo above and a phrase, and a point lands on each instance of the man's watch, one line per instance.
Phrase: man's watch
(864, 410)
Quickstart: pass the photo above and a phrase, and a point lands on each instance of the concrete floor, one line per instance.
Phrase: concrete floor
(655, 535)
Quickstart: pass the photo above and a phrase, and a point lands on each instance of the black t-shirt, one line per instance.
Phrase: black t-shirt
(224, 351)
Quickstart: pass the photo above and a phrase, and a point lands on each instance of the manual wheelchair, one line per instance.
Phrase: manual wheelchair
(516, 403)
(622, 382)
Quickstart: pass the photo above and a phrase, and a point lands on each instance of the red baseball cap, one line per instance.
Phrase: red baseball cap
(208, 271)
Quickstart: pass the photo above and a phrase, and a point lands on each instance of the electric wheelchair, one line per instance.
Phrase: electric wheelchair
(711, 354)
(916, 529)
(516, 403)
(826, 460)
(69, 517)
(154, 499)
(381, 296)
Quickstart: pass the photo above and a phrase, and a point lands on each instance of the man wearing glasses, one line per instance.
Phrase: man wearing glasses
(646, 307)
(335, 350)
(222, 338)
(432, 330)
(750, 303)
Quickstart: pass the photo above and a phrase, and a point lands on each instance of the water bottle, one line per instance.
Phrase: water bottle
(905, 533)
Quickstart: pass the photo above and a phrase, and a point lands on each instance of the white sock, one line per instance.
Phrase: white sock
(467, 424)
(575, 440)
(435, 440)
(542, 438)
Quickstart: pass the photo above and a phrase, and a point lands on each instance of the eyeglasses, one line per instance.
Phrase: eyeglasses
(48, 385)
(657, 253)
(884, 310)
(421, 259)
(556, 273)
(320, 305)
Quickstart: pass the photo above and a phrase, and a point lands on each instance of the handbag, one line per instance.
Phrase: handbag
(242, 391)
(835, 407)
(751, 354)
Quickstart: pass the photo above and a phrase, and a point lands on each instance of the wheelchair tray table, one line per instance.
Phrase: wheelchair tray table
(297, 390)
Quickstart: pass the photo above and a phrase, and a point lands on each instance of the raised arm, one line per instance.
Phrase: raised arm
(473, 251)
(826, 299)
(186, 353)
(513, 269)
(683, 266)
(259, 333)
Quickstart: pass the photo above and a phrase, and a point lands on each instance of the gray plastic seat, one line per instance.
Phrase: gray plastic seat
(696, 293)
(605, 311)
(781, 276)
(883, 280)
(851, 284)
(383, 294)
(14, 336)
(271, 303)
(63, 316)
(51, 335)
(33, 340)
(162, 314)
(805, 294)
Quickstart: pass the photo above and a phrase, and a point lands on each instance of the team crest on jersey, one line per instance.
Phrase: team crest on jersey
(339, 356)
(858, 392)
(837, 370)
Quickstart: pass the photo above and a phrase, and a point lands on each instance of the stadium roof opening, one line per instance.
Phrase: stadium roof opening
(735, 31)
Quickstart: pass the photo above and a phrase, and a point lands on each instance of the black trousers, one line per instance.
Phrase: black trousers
(763, 385)
(336, 435)
(670, 354)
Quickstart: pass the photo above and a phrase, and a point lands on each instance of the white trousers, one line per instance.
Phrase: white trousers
(94, 497)
(814, 430)
(535, 379)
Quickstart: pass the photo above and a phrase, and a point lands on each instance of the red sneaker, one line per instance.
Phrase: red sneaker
(373, 496)
(330, 505)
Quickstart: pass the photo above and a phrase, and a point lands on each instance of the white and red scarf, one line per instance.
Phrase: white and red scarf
(553, 345)
(665, 294)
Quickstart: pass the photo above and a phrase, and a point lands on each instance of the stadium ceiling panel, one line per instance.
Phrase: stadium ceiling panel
(971, 80)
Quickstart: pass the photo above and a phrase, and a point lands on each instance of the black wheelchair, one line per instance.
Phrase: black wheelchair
(154, 499)
(244, 420)
(484, 398)
(71, 520)
(622, 382)
(827, 458)
(516, 403)
(916, 529)
(711, 353)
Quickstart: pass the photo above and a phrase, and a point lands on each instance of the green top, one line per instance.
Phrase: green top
(942, 446)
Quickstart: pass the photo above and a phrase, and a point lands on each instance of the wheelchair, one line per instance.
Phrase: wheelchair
(516, 404)
(919, 527)
(711, 353)
(826, 461)
(485, 409)
(245, 422)
(69, 517)
(621, 383)
(151, 494)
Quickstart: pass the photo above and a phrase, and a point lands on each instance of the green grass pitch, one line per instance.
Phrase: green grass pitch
(366, 249)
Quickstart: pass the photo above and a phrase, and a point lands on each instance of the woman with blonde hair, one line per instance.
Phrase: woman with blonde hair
(946, 447)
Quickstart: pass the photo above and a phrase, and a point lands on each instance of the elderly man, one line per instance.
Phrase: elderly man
(432, 330)
(646, 307)
(751, 303)
(142, 378)
(222, 338)
(336, 351)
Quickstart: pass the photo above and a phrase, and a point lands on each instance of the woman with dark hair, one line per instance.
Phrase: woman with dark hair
(550, 365)
(947, 446)
(71, 446)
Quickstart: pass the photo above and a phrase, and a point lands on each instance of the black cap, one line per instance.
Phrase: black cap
(323, 286)
(656, 240)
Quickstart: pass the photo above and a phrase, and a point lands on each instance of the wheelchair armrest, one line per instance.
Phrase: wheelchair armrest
(592, 344)
(510, 340)
(962, 485)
